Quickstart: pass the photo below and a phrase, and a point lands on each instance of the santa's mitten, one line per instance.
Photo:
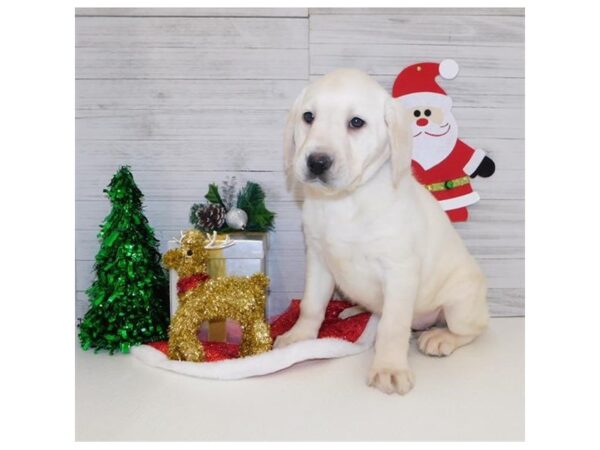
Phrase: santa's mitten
(485, 169)
(458, 215)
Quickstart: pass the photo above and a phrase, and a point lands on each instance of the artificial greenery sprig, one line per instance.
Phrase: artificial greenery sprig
(251, 199)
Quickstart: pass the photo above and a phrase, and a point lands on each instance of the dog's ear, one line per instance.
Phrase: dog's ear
(400, 136)
(289, 145)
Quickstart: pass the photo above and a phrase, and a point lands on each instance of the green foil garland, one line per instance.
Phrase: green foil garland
(129, 296)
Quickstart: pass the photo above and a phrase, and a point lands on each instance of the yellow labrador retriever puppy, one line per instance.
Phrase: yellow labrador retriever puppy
(374, 231)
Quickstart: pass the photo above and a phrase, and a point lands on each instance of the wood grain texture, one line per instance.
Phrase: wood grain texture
(191, 63)
(488, 61)
(177, 32)
(470, 31)
(190, 96)
(422, 12)
(177, 125)
(165, 95)
(192, 12)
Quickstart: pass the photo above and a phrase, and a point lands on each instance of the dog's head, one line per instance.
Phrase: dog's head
(342, 129)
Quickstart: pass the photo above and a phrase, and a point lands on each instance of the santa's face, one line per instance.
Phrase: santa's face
(434, 134)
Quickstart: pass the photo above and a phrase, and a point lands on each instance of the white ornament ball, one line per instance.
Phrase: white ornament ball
(236, 218)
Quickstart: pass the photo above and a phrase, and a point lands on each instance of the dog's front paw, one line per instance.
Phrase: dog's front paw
(391, 380)
(294, 335)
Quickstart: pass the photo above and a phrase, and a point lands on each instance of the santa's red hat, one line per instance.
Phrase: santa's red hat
(345, 331)
(416, 84)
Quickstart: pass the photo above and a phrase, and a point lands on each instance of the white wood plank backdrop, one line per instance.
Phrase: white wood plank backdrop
(190, 96)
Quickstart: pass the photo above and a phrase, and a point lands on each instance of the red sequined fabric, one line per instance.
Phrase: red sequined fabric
(349, 329)
(187, 283)
(217, 351)
(163, 346)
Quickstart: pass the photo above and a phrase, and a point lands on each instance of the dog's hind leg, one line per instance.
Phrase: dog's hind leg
(466, 314)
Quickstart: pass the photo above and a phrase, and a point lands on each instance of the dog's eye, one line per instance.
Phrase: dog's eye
(417, 113)
(308, 117)
(190, 253)
(427, 112)
(356, 122)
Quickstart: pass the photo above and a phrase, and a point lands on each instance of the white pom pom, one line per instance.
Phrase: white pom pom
(448, 69)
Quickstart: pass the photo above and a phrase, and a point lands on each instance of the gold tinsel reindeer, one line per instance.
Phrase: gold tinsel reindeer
(202, 299)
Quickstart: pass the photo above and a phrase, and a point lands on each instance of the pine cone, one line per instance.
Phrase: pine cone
(211, 217)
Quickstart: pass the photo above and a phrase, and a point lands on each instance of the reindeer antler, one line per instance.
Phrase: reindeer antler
(214, 244)
(180, 239)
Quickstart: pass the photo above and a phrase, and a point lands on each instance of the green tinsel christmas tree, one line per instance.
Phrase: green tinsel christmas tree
(129, 297)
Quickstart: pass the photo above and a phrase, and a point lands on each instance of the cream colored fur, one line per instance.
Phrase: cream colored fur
(374, 232)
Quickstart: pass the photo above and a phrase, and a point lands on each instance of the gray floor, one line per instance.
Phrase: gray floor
(475, 394)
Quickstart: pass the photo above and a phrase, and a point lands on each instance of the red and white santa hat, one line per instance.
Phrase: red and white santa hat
(346, 330)
(416, 85)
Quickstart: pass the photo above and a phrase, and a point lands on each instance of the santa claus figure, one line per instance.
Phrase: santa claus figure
(441, 162)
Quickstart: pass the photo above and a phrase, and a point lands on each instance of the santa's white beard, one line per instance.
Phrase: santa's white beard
(428, 150)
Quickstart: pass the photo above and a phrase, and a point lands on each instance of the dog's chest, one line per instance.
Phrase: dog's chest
(347, 249)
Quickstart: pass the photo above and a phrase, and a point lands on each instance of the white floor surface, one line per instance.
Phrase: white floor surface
(475, 394)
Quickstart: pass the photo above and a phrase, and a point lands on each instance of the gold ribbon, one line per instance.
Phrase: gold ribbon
(447, 185)
(217, 267)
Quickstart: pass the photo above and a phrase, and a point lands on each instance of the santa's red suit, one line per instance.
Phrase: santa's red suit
(441, 162)
(449, 181)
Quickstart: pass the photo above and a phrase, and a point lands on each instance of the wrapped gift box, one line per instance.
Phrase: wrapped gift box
(247, 256)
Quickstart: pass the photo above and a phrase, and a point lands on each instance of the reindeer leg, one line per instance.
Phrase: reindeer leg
(256, 338)
(184, 344)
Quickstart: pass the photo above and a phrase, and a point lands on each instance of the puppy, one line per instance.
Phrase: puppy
(373, 231)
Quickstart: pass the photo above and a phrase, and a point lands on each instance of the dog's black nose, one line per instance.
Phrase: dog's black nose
(318, 163)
